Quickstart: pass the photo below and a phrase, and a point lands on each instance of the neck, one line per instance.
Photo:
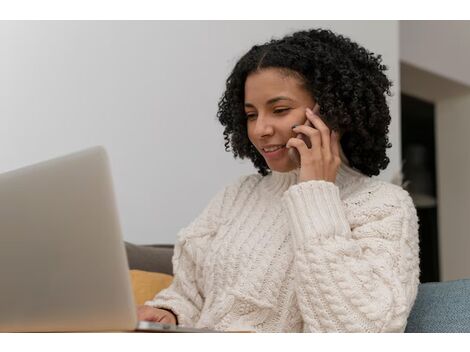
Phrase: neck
(342, 156)
(344, 176)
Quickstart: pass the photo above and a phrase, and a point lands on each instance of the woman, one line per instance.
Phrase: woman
(310, 243)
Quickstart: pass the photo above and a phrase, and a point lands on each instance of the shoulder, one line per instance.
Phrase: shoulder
(202, 229)
(244, 183)
(380, 195)
(224, 199)
(393, 193)
(248, 180)
(382, 210)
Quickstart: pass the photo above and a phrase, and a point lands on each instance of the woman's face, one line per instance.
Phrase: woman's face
(274, 103)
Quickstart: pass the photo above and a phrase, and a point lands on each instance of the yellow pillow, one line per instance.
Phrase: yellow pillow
(146, 285)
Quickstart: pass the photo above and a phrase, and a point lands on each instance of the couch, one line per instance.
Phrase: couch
(439, 307)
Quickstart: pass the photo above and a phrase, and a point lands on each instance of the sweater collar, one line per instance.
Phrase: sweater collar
(344, 176)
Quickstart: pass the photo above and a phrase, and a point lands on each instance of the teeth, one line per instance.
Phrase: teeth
(271, 149)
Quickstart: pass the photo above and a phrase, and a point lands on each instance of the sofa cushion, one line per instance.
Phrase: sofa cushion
(146, 285)
(441, 307)
(153, 258)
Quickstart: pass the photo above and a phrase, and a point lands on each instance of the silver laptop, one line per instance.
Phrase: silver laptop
(63, 265)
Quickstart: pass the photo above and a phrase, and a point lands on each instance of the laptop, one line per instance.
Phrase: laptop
(63, 265)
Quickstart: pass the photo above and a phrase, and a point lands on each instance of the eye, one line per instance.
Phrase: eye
(250, 116)
(281, 110)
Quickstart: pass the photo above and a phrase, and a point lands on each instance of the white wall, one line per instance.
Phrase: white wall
(148, 92)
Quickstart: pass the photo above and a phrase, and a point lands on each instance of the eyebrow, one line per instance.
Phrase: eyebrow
(271, 101)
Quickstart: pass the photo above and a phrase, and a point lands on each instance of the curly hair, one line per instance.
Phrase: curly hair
(344, 78)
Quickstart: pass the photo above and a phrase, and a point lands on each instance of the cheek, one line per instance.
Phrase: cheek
(248, 128)
(299, 117)
(295, 118)
(249, 132)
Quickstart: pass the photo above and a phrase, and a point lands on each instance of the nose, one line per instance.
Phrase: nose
(263, 127)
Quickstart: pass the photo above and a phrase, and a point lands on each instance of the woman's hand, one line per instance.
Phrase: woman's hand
(322, 160)
(155, 315)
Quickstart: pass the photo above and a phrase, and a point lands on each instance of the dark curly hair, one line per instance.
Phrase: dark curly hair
(344, 78)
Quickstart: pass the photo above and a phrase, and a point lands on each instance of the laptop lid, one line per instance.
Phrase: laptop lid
(63, 265)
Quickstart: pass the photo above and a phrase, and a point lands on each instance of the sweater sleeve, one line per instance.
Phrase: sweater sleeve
(184, 297)
(353, 278)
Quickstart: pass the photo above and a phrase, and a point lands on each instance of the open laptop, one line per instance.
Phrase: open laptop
(63, 265)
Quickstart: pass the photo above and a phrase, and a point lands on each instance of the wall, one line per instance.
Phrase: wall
(148, 92)
(453, 128)
(440, 47)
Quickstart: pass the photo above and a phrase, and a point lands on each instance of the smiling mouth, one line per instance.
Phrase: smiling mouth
(273, 149)
(276, 154)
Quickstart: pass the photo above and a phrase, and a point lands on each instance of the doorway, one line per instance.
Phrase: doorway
(419, 175)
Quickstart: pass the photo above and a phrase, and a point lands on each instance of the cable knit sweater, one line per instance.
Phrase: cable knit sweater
(271, 254)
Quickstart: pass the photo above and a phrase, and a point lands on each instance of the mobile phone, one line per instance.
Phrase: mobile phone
(294, 155)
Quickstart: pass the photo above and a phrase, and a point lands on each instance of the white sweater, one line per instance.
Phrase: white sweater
(270, 254)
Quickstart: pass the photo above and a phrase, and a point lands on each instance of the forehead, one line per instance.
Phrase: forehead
(263, 85)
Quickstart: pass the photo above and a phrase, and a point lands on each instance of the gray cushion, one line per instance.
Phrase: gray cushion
(154, 258)
(441, 307)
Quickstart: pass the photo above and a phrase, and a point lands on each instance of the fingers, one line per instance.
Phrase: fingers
(312, 134)
(299, 144)
(335, 144)
(147, 313)
(320, 126)
(326, 134)
(324, 142)
(166, 319)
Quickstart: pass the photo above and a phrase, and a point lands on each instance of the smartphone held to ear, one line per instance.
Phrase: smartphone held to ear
(294, 154)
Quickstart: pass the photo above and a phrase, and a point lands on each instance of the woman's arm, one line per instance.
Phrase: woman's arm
(183, 297)
(359, 278)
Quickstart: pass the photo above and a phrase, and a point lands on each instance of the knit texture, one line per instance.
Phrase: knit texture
(271, 254)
